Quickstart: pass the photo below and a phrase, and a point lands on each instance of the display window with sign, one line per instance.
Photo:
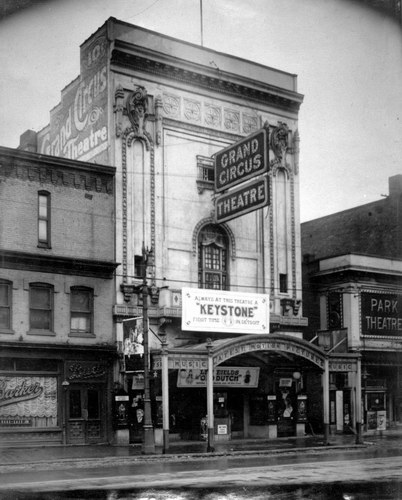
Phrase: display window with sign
(28, 394)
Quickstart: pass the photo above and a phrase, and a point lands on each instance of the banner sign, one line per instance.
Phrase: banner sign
(207, 310)
(381, 313)
(23, 398)
(241, 161)
(78, 125)
(224, 376)
(247, 198)
(133, 336)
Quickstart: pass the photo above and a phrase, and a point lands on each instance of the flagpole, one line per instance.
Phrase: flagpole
(201, 24)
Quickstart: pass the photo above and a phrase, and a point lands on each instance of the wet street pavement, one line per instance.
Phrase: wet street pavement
(237, 470)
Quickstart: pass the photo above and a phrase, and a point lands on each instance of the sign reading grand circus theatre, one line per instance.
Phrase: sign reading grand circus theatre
(248, 197)
(219, 311)
(241, 161)
(381, 313)
(78, 127)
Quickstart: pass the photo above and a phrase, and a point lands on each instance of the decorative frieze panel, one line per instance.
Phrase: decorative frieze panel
(213, 116)
(231, 120)
(250, 123)
(209, 115)
(171, 106)
(192, 110)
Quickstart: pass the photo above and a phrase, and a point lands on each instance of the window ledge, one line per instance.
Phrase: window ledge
(47, 333)
(7, 331)
(82, 335)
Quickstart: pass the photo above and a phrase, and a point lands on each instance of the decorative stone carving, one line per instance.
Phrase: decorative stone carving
(290, 306)
(137, 110)
(171, 105)
(192, 110)
(296, 151)
(118, 110)
(232, 120)
(279, 141)
(158, 119)
(213, 115)
(250, 123)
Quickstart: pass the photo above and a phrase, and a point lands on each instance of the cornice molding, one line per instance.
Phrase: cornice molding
(50, 170)
(221, 83)
(10, 259)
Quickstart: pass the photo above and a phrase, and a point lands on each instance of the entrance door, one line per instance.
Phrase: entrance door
(84, 414)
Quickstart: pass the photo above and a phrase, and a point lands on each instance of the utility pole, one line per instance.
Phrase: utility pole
(148, 445)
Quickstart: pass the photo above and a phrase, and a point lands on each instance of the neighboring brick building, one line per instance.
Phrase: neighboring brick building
(57, 340)
(352, 288)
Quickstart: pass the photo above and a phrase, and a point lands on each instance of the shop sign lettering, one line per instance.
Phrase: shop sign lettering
(247, 198)
(241, 161)
(15, 422)
(83, 371)
(216, 310)
(78, 126)
(20, 392)
(268, 346)
(381, 314)
(227, 376)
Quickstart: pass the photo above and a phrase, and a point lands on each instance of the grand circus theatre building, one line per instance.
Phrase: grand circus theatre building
(206, 150)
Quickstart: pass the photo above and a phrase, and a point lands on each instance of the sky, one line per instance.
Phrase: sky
(348, 59)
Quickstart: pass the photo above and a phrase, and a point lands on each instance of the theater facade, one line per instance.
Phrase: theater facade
(206, 150)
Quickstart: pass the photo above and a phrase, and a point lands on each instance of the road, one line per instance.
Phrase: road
(367, 466)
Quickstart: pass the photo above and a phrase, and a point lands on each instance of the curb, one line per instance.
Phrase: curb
(68, 463)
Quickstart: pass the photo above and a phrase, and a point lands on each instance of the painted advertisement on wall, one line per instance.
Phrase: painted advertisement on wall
(220, 311)
(28, 401)
(381, 313)
(225, 376)
(78, 125)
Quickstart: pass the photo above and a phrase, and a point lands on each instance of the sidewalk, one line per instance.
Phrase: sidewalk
(178, 450)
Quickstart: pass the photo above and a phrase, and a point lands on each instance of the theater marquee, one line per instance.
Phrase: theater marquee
(219, 311)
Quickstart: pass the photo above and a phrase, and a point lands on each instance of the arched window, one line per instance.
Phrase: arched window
(213, 258)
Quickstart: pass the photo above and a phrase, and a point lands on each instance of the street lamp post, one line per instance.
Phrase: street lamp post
(148, 445)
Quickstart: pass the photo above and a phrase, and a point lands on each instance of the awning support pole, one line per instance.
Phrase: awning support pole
(210, 398)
